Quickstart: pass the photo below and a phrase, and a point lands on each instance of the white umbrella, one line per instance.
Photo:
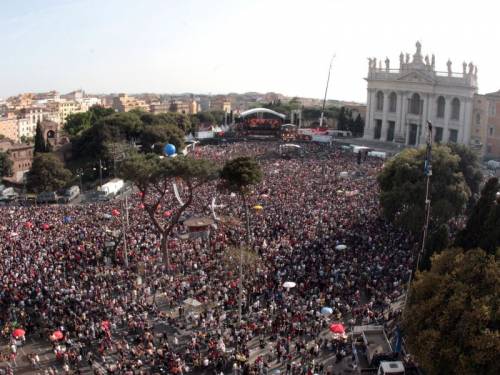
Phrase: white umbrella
(289, 284)
(340, 247)
(192, 302)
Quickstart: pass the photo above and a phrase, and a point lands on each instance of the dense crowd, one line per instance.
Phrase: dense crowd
(318, 227)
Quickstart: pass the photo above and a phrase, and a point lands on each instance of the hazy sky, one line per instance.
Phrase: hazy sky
(221, 46)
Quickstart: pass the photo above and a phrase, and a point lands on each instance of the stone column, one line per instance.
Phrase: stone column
(447, 113)
(424, 116)
(467, 120)
(404, 112)
(385, 109)
(371, 103)
(399, 115)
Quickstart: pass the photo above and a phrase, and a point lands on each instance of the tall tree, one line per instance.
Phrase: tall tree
(402, 185)
(238, 176)
(47, 173)
(5, 165)
(469, 166)
(452, 318)
(342, 119)
(154, 177)
(475, 230)
(358, 126)
(40, 145)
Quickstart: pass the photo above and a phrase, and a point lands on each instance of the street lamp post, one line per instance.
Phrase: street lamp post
(124, 229)
(79, 173)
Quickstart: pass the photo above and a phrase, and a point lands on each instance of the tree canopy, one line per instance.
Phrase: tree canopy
(76, 123)
(47, 173)
(154, 177)
(452, 318)
(402, 184)
(469, 166)
(240, 173)
(482, 225)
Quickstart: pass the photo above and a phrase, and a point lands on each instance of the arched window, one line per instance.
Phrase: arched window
(478, 119)
(380, 101)
(415, 104)
(440, 107)
(455, 109)
(393, 100)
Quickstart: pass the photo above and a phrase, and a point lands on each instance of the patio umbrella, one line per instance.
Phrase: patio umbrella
(56, 336)
(18, 332)
(326, 311)
(337, 328)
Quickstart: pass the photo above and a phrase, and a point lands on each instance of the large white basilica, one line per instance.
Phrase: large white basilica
(401, 101)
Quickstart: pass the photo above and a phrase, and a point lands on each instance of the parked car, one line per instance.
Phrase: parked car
(47, 197)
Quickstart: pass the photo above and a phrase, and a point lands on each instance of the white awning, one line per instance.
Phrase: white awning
(263, 110)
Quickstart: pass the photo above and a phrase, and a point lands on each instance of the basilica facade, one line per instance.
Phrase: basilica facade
(401, 101)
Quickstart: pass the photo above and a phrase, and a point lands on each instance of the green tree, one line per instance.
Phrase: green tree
(358, 126)
(47, 173)
(452, 318)
(154, 177)
(40, 145)
(342, 119)
(469, 166)
(98, 112)
(77, 122)
(5, 165)
(402, 185)
(238, 176)
(116, 128)
(154, 137)
(475, 229)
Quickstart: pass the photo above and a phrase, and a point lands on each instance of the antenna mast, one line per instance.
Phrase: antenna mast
(326, 91)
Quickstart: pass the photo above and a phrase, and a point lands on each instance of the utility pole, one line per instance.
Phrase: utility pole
(428, 174)
(124, 230)
(79, 173)
(326, 91)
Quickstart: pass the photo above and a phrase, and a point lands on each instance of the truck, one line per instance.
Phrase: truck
(70, 194)
(8, 194)
(111, 188)
(373, 352)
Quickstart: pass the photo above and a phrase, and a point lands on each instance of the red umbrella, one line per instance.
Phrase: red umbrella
(115, 212)
(141, 206)
(167, 214)
(45, 226)
(337, 328)
(105, 325)
(18, 332)
(28, 224)
(56, 336)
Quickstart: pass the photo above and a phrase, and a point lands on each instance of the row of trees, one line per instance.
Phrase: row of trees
(101, 135)
(347, 122)
(451, 319)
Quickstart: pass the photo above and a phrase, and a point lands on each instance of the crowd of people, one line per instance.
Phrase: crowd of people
(319, 227)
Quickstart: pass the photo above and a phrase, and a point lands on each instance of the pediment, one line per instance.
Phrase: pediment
(416, 76)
